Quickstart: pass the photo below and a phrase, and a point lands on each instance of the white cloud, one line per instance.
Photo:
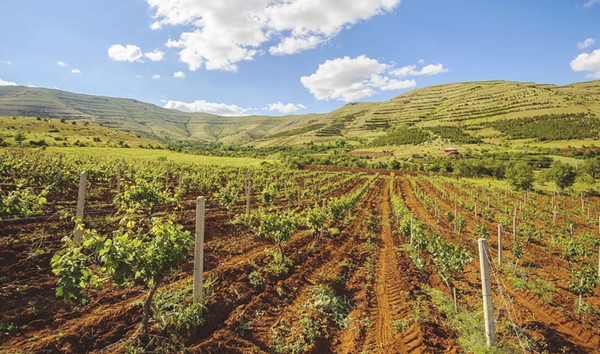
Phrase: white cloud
(291, 45)
(138, 76)
(7, 83)
(284, 108)
(410, 70)
(348, 79)
(56, 88)
(595, 76)
(132, 53)
(155, 77)
(221, 109)
(588, 62)
(591, 3)
(75, 71)
(179, 75)
(588, 42)
(213, 51)
(230, 31)
(155, 55)
(30, 85)
(421, 61)
(129, 53)
(62, 63)
(5, 62)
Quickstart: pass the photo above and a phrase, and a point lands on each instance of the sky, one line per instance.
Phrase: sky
(243, 57)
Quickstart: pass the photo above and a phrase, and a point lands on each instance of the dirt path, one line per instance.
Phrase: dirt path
(388, 289)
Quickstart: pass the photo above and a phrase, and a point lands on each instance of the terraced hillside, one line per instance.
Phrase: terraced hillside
(470, 107)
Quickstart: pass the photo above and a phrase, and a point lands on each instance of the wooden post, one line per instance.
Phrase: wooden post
(520, 208)
(80, 206)
(488, 202)
(488, 307)
(598, 261)
(298, 196)
(588, 214)
(554, 216)
(180, 181)
(454, 296)
(499, 244)
(571, 229)
(475, 208)
(199, 250)
(582, 202)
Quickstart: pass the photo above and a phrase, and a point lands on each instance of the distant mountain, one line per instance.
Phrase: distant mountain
(469, 106)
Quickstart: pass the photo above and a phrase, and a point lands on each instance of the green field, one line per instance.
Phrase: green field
(148, 154)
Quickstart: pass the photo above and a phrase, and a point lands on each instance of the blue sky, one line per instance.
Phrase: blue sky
(300, 56)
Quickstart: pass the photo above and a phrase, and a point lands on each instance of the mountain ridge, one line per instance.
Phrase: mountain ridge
(462, 104)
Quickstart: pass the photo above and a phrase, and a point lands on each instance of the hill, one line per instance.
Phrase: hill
(134, 116)
(65, 133)
(461, 114)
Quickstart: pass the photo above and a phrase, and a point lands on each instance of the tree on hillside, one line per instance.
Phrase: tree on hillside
(562, 174)
(591, 167)
(520, 175)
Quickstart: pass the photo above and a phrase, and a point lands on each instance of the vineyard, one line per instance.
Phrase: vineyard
(319, 259)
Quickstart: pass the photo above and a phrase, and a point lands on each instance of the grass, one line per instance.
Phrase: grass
(149, 154)
(67, 133)
(469, 325)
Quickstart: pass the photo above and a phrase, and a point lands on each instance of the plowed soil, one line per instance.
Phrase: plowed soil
(363, 261)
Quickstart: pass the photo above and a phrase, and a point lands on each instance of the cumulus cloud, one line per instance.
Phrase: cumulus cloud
(411, 70)
(595, 76)
(5, 62)
(155, 77)
(588, 42)
(128, 53)
(75, 71)
(132, 53)
(30, 85)
(588, 62)
(349, 79)
(591, 3)
(291, 45)
(62, 63)
(221, 109)
(155, 55)
(179, 75)
(7, 83)
(284, 108)
(227, 32)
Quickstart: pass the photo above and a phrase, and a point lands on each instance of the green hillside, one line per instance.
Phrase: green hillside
(133, 116)
(421, 120)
